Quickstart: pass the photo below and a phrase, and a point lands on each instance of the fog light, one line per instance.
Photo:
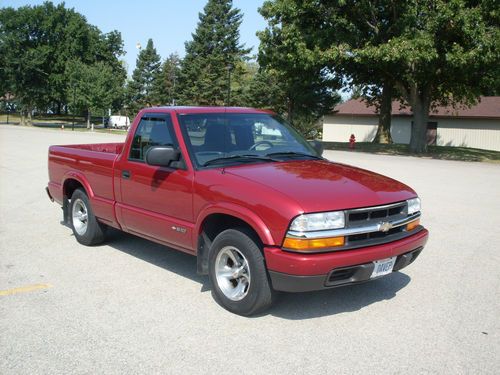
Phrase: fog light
(301, 244)
(413, 225)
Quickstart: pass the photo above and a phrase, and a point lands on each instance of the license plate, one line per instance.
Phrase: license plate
(383, 267)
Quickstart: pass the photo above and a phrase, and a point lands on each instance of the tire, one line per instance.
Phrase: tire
(237, 272)
(87, 230)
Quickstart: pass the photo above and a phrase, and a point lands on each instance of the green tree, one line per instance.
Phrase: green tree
(265, 89)
(308, 87)
(141, 88)
(110, 53)
(445, 54)
(357, 92)
(213, 56)
(267, 92)
(165, 88)
(26, 58)
(432, 52)
(298, 29)
(93, 87)
(37, 42)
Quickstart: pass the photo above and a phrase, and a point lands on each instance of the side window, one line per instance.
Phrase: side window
(153, 130)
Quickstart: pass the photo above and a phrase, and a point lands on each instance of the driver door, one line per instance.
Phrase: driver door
(156, 202)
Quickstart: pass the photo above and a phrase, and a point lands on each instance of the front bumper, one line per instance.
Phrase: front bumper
(294, 272)
(337, 277)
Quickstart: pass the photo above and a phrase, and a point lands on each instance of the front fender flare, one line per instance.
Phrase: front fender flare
(239, 212)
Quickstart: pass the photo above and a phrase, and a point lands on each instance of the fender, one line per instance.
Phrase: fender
(81, 179)
(239, 212)
(104, 209)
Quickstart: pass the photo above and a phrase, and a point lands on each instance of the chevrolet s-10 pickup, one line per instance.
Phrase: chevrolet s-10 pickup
(241, 190)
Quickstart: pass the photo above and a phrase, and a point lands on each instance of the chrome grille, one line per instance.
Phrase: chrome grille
(372, 215)
(375, 215)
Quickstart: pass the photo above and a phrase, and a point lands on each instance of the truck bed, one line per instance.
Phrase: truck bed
(95, 162)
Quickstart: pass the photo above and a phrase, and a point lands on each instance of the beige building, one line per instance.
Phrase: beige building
(476, 127)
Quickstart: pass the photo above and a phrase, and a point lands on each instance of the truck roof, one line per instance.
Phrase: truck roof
(201, 109)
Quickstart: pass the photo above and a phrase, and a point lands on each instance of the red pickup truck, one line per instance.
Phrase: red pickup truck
(242, 191)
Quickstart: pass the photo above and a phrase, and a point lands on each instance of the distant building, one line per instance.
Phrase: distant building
(477, 127)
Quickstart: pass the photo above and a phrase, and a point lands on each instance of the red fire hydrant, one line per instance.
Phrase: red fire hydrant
(352, 142)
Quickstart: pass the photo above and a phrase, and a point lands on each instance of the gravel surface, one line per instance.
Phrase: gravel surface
(132, 306)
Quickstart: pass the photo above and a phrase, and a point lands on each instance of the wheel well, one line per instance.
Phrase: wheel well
(216, 223)
(213, 225)
(69, 187)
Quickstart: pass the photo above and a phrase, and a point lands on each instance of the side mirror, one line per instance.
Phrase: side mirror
(162, 156)
(318, 146)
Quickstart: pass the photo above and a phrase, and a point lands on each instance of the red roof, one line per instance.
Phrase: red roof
(488, 107)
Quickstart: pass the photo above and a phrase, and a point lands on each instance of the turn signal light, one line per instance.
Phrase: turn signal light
(301, 244)
(413, 225)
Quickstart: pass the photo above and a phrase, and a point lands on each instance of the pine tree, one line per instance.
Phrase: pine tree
(212, 56)
(165, 88)
(140, 89)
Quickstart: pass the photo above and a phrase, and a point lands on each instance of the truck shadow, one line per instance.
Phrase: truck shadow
(169, 259)
(292, 306)
(299, 306)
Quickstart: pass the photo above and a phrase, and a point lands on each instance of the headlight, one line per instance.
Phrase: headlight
(319, 221)
(413, 205)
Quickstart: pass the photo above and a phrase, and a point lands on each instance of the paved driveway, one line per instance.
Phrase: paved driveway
(132, 306)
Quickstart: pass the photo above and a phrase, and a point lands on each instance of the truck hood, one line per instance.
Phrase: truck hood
(319, 185)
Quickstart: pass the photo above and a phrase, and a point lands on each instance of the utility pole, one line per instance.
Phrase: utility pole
(74, 106)
(173, 88)
(229, 67)
(8, 97)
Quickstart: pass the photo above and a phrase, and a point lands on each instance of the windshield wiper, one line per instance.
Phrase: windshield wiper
(243, 157)
(294, 154)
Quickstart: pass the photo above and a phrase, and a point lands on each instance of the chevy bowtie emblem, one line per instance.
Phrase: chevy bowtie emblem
(385, 226)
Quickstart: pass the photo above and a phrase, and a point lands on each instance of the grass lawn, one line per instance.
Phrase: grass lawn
(99, 130)
(435, 152)
(56, 121)
(46, 119)
(15, 118)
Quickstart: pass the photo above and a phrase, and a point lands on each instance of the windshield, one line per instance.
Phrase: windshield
(219, 139)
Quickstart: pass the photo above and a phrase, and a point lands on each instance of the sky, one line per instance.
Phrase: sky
(168, 22)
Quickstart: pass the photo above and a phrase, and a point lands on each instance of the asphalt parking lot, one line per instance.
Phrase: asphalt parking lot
(132, 306)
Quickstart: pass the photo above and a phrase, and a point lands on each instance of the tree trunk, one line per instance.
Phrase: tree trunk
(88, 119)
(289, 114)
(26, 119)
(420, 105)
(384, 117)
(23, 118)
(29, 121)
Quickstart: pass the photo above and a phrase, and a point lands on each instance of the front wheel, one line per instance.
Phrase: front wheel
(87, 230)
(238, 274)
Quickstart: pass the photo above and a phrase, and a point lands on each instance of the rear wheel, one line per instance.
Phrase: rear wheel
(238, 274)
(87, 230)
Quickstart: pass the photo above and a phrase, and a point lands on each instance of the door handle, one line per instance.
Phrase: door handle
(126, 174)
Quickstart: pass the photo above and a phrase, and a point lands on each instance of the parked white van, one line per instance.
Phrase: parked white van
(115, 122)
